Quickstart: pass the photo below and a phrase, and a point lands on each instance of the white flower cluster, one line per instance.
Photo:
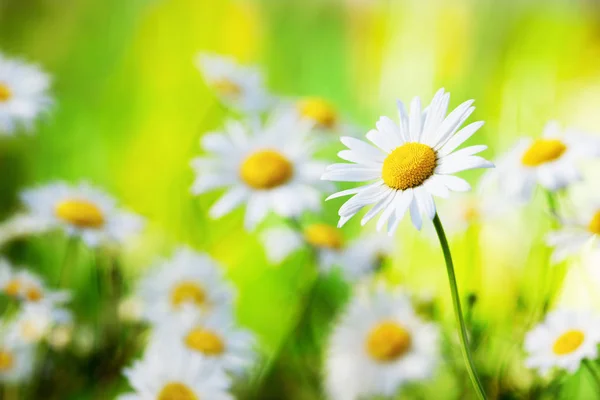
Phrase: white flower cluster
(196, 348)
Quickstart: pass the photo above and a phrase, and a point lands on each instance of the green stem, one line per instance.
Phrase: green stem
(464, 342)
(590, 366)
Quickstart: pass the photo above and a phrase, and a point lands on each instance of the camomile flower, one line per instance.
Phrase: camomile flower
(377, 346)
(28, 287)
(83, 211)
(408, 163)
(320, 111)
(550, 161)
(214, 337)
(237, 86)
(267, 168)
(187, 277)
(563, 340)
(355, 258)
(576, 231)
(17, 359)
(169, 373)
(36, 320)
(23, 94)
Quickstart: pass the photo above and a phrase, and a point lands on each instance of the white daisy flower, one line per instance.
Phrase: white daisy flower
(28, 287)
(23, 94)
(35, 321)
(187, 278)
(82, 210)
(214, 337)
(167, 372)
(576, 231)
(16, 359)
(379, 345)
(262, 167)
(409, 164)
(563, 340)
(550, 161)
(237, 86)
(355, 258)
(20, 226)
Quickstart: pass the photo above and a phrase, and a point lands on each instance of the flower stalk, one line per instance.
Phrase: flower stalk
(464, 341)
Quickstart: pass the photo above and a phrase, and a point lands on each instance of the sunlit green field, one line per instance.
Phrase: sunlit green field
(130, 107)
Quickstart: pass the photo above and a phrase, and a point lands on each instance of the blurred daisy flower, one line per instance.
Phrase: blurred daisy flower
(319, 111)
(377, 346)
(171, 373)
(269, 168)
(83, 211)
(576, 231)
(17, 359)
(355, 258)
(237, 86)
(214, 337)
(563, 340)
(23, 94)
(187, 278)
(36, 320)
(27, 286)
(550, 161)
(409, 163)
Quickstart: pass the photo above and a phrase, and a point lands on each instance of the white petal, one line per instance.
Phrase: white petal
(414, 122)
(466, 152)
(362, 199)
(348, 192)
(434, 116)
(415, 214)
(436, 187)
(343, 220)
(359, 158)
(228, 202)
(208, 182)
(363, 148)
(454, 183)
(389, 210)
(425, 202)
(381, 204)
(461, 136)
(256, 211)
(403, 118)
(451, 123)
(464, 164)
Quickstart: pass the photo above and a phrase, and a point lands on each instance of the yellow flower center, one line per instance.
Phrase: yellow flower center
(266, 169)
(33, 293)
(5, 93)
(205, 341)
(6, 360)
(542, 151)
(12, 288)
(568, 342)
(227, 88)
(79, 212)
(471, 213)
(408, 166)
(176, 391)
(324, 236)
(318, 110)
(188, 292)
(388, 341)
(594, 226)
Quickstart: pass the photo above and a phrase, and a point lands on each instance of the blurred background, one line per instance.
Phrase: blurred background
(131, 107)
